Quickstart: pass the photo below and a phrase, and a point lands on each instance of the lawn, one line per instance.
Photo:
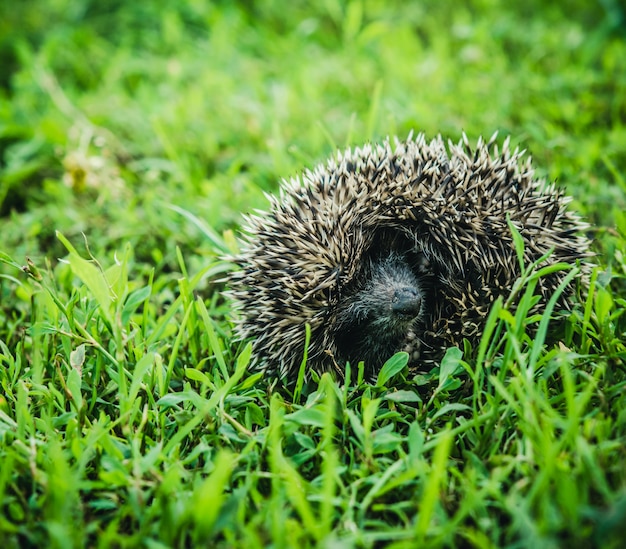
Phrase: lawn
(134, 136)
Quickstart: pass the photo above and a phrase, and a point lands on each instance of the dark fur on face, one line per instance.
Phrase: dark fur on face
(375, 317)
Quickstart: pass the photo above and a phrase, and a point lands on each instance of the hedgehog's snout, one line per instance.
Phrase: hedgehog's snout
(406, 302)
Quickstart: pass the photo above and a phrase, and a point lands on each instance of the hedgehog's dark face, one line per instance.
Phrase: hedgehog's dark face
(375, 317)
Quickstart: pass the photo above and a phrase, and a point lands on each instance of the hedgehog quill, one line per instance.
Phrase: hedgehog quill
(392, 247)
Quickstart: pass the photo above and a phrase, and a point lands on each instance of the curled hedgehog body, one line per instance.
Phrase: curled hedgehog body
(394, 247)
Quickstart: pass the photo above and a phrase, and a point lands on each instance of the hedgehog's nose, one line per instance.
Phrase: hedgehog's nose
(407, 302)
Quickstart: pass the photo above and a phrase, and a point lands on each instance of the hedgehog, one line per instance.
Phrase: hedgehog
(398, 246)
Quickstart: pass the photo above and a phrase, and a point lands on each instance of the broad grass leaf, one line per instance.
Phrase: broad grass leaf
(304, 440)
(432, 489)
(209, 497)
(452, 407)
(603, 304)
(403, 396)
(74, 378)
(307, 416)
(450, 364)
(141, 368)
(214, 340)
(77, 357)
(74, 381)
(392, 367)
(518, 242)
(133, 301)
(415, 441)
(92, 277)
(357, 426)
(196, 375)
(173, 399)
(250, 381)
(243, 360)
(385, 441)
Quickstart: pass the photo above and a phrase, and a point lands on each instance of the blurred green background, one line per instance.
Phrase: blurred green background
(111, 110)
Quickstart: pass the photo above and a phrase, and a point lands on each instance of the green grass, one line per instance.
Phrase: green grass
(132, 138)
